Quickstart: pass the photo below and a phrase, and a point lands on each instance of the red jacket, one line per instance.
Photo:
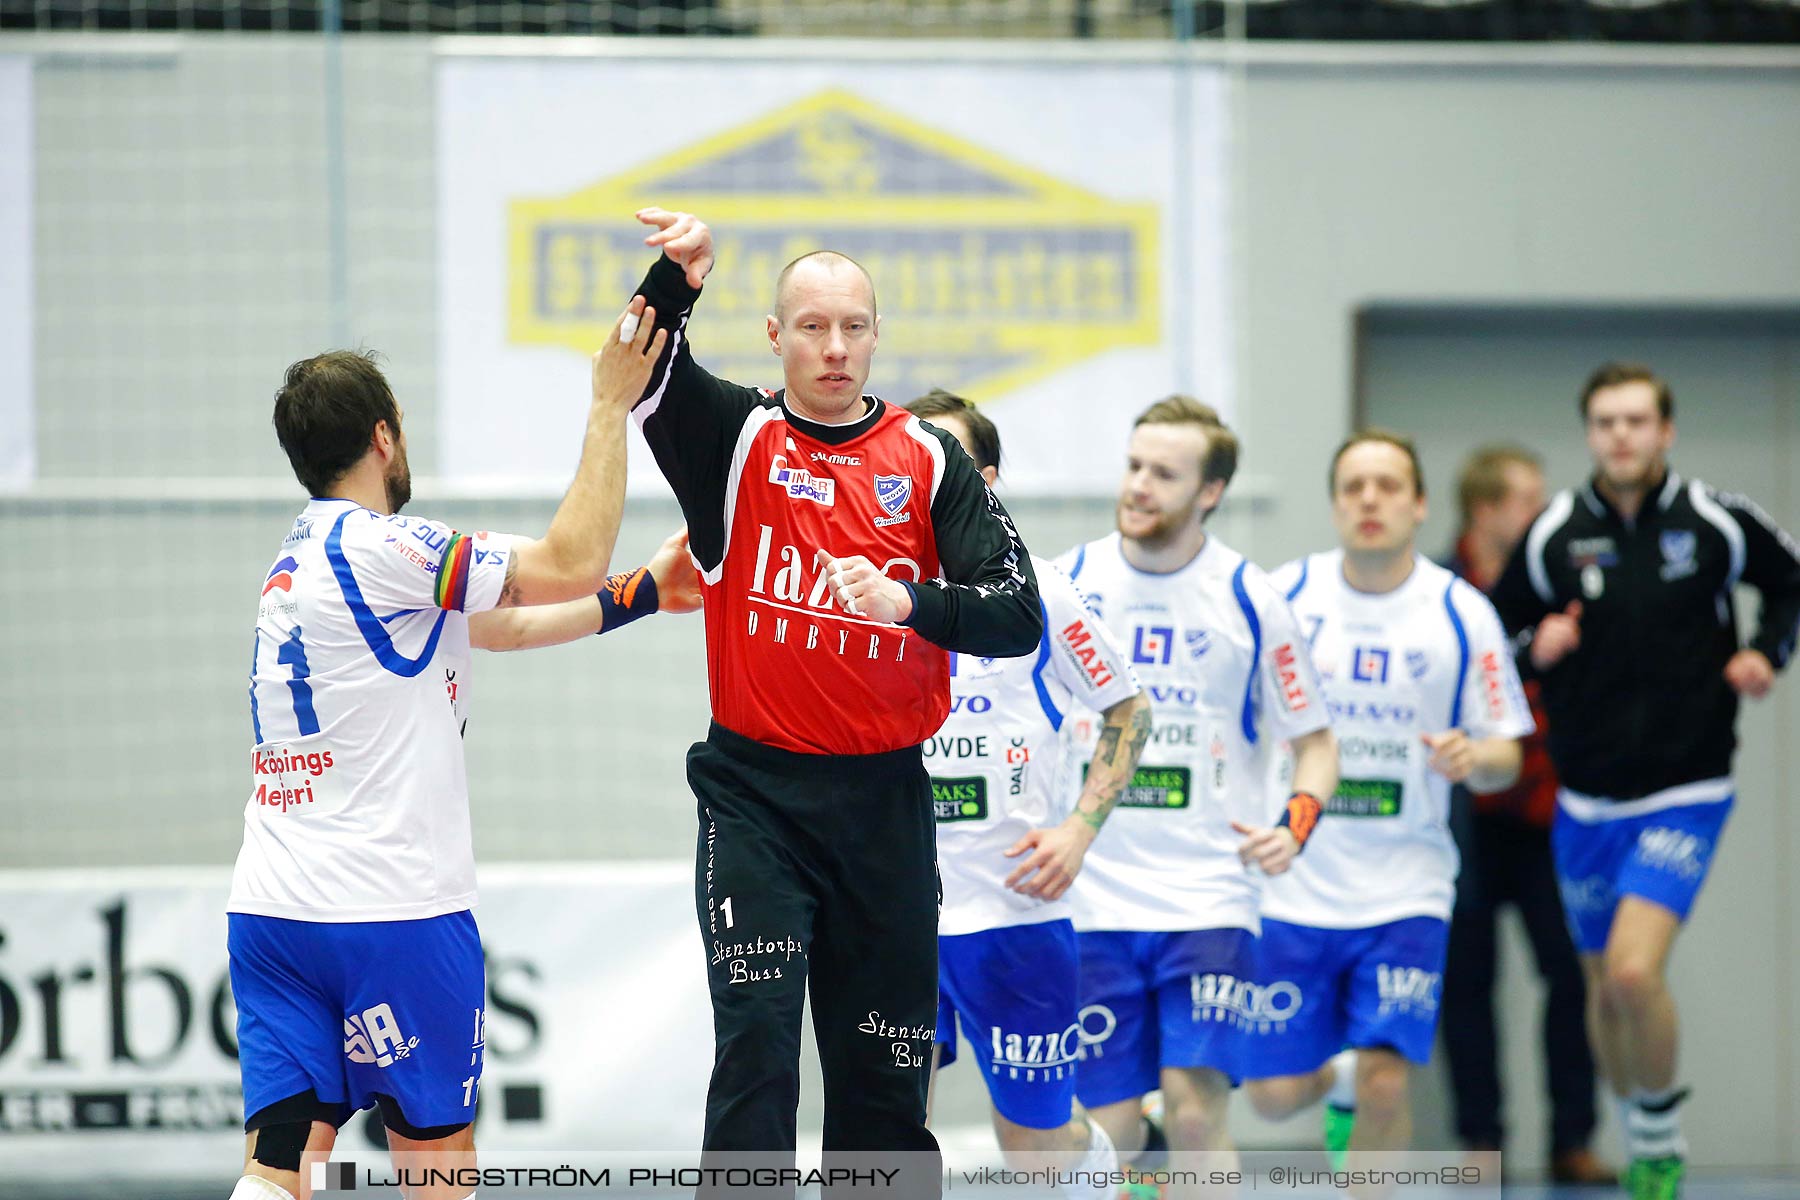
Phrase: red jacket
(1533, 797)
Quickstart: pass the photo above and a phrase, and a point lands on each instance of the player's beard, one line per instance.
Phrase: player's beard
(398, 482)
(1168, 525)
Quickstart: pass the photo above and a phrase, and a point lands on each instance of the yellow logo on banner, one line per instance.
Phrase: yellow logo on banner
(988, 274)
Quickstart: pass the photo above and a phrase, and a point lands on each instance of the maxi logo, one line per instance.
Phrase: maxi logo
(1079, 642)
(991, 272)
(1150, 645)
(1493, 685)
(373, 1036)
(1287, 678)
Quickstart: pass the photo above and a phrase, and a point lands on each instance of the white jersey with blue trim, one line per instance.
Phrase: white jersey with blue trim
(994, 763)
(359, 803)
(1218, 651)
(1427, 657)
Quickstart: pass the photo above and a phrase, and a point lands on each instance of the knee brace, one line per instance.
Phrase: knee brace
(280, 1145)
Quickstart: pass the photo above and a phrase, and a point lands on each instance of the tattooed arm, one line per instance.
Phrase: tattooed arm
(1057, 852)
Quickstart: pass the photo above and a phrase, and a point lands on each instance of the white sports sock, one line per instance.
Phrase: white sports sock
(1342, 1092)
(1097, 1165)
(1653, 1124)
(255, 1187)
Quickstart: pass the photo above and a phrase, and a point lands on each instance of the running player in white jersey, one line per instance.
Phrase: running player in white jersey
(1007, 962)
(1167, 901)
(1423, 694)
(355, 963)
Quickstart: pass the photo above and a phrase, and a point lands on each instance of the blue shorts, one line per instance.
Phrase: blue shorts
(1320, 990)
(1014, 989)
(362, 1009)
(1660, 856)
(1155, 1000)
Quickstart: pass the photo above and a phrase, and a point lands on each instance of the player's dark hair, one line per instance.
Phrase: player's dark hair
(1383, 437)
(1483, 478)
(1220, 462)
(1612, 374)
(326, 412)
(982, 434)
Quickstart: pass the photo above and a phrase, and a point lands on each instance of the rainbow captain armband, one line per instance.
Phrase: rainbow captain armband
(1300, 816)
(626, 597)
(452, 590)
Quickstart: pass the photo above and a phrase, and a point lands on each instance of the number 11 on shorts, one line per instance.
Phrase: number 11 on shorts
(472, 1085)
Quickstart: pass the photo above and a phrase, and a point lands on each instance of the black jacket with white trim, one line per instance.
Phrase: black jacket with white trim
(1642, 705)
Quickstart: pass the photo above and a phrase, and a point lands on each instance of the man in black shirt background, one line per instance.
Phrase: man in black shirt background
(1623, 596)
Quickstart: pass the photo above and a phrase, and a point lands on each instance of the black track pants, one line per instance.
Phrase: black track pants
(1505, 860)
(816, 866)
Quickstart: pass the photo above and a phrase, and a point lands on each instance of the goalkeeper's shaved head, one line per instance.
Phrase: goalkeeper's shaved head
(802, 270)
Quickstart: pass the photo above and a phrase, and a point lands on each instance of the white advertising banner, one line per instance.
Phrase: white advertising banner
(118, 1052)
(1046, 239)
(18, 442)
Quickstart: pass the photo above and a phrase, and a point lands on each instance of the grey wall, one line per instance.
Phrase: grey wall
(1511, 184)
(184, 251)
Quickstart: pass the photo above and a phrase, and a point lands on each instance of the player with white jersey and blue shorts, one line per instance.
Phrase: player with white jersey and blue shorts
(1007, 962)
(355, 962)
(1419, 679)
(1167, 902)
